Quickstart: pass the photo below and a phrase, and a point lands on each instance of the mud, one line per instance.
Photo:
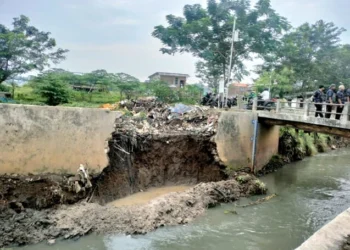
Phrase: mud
(31, 226)
(37, 191)
(144, 197)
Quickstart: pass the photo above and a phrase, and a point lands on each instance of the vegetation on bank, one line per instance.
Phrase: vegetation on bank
(295, 145)
(60, 87)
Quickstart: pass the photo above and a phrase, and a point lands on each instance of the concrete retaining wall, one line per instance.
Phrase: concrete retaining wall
(37, 139)
(234, 144)
(331, 236)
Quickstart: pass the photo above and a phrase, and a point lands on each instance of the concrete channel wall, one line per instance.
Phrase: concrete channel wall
(331, 236)
(39, 139)
(235, 145)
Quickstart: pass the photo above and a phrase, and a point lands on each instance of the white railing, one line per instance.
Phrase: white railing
(307, 109)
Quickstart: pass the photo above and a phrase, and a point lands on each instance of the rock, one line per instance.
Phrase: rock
(51, 242)
(333, 147)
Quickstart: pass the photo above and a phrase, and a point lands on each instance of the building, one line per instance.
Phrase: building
(174, 80)
(238, 89)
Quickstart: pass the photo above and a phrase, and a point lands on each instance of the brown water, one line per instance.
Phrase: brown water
(144, 197)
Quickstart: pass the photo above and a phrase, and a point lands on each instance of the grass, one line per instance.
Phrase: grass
(243, 179)
(309, 144)
(26, 95)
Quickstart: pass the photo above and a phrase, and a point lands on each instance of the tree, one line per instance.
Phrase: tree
(4, 88)
(67, 76)
(162, 91)
(126, 84)
(280, 82)
(50, 87)
(25, 48)
(123, 77)
(341, 65)
(209, 73)
(206, 33)
(99, 78)
(191, 94)
(310, 51)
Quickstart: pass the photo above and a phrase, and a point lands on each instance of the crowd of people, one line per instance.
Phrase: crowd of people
(334, 100)
(212, 100)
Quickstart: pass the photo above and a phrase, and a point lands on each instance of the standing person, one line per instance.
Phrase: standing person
(341, 99)
(318, 99)
(331, 99)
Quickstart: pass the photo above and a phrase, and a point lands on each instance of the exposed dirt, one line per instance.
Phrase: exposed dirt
(155, 147)
(31, 226)
(161, 149)
(37, 191)
(156, 160)
(346, 245)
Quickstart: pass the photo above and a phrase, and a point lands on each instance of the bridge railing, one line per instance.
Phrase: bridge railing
(306, 109)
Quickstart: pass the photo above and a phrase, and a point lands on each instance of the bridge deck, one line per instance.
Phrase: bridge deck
(307, 123)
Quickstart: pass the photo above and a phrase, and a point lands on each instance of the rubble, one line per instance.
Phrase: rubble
(81, 181)
(152, 117)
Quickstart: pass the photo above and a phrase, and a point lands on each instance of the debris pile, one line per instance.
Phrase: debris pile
(81, 182)
(154, 118)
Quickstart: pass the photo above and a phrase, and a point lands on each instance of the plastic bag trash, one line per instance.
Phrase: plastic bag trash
(180, 108)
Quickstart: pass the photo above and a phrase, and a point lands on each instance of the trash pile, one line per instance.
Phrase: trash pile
(151, 117)
(141, 104)
(81, 181)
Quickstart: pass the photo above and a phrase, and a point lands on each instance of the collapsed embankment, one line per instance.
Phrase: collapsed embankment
(140, 160)
(149, 149)
(154, 147)
(32, 226)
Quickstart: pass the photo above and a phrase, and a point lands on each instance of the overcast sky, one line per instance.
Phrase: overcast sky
(116, 34)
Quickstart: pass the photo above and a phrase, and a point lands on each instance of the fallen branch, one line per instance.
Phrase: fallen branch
(259, 201)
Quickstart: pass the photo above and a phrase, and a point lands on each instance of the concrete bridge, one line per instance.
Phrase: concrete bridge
(304, 118)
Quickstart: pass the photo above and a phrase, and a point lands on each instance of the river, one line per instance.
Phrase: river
(309, 194)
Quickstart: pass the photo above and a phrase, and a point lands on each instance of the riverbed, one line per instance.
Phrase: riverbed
(309, 194)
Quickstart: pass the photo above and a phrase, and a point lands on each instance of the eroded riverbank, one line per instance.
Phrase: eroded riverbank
(310, 193)
(144, 152)
(30, 226)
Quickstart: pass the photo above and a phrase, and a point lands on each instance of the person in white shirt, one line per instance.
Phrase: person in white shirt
(265, 95)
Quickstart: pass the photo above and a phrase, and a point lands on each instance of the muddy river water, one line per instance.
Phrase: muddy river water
(309, 194)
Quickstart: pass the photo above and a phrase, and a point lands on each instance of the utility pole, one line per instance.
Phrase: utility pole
(231, 57)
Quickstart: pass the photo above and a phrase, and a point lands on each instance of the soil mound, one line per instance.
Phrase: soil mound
(31, 226)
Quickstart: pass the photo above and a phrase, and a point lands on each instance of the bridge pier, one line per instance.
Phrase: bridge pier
(236, 134)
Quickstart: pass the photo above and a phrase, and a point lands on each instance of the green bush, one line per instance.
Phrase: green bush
(4, 88)
(52, 89)
(163, 91)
